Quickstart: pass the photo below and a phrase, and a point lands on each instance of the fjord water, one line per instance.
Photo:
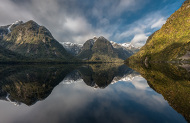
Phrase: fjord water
(92, 93)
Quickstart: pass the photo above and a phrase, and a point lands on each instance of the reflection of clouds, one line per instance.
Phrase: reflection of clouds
(116, 103)
(144, 97)
(159, 99)
(136, 80)
(140, 83)
(10, 112)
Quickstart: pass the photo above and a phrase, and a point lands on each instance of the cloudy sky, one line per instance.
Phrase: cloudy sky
(78, 20)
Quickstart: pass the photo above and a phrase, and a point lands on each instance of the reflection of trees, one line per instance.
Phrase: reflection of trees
(173, 82)
(28, 84)
(101, 75)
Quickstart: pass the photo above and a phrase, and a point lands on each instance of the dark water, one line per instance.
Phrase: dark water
(103, 93)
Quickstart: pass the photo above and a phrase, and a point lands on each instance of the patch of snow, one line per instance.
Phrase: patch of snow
(69, 44)
(123, 45)
(15, 103)
(72, 47)
(129, 77)
(113, 43)
(15, 23)
(70, 81)
(95, 38)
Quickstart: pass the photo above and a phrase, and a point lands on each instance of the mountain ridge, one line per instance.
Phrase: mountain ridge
(100, 49)
(171, 42)
(34, 41)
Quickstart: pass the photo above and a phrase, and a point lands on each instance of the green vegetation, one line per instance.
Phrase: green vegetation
(30, 42)
(171, 42)
(35, 42)
(101, 51)
(7, 55)
(173, 82)
(31, 83)
(101, 75)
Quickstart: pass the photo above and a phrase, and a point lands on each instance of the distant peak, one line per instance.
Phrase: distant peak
(18, 22)
(112, 42)
(95, 38)
(31, 22)
(101, 37)
(70, 43)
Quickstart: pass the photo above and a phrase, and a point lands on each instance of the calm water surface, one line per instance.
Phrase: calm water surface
(103, 93)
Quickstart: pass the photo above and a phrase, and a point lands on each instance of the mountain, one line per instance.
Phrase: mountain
(75, 48)
(126, 77)
(125, 46)
(172, 81)
(72, 48)
(101, 50)
(30, 83)
(100, 75)
(171, 42)
(33, 41)
(7, 55)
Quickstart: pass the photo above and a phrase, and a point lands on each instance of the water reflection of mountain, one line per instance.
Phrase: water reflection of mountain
(173, 82)
(100, 75)
(31, 83)
(28, 84)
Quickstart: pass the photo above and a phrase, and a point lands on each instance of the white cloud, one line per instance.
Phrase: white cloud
(77, 25)
(139, 30)
(76, 22)
(139, 40)
(130, 32)
(159, 23)
(10, 13)
(114, 8)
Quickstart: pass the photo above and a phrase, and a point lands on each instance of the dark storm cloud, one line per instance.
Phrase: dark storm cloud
(79, 20)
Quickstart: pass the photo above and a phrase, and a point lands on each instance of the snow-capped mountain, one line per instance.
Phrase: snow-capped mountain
(125, 46)
(4, 30)
(5, 97)
(14, 24)
(75, 48)
(72, 48)
(128, 77)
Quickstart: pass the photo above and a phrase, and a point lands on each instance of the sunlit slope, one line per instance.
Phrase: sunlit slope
(171, 42)
(33, 41)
